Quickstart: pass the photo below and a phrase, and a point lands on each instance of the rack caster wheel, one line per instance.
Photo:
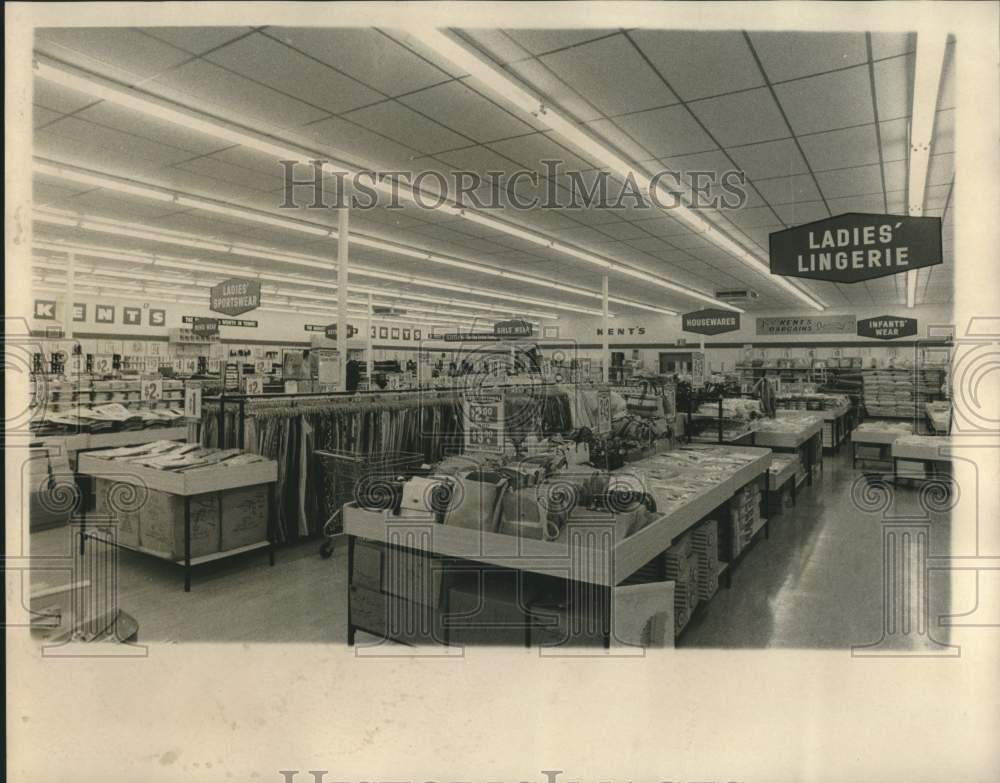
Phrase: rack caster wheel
(326, 549)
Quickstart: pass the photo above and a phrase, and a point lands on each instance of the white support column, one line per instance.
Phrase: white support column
(70, 296)
(604, 330)
(342, 262)
(370, 352)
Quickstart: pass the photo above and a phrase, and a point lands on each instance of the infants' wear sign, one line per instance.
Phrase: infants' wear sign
(235, 296)
(855, 246)
(887, 327)
(711, 321)
(807, 324)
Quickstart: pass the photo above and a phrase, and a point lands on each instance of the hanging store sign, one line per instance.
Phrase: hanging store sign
(205, 327)
(887, 327)
(470, 337)
(190, 319)
(331, 331)
(856, 246)
(235, 296)
(515, 328)
(807, 324)
(711, 320)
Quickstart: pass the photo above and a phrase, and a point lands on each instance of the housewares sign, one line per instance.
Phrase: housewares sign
(235, 296)
(711, 321)
(887, 327)
(855, 246)
(807, 324)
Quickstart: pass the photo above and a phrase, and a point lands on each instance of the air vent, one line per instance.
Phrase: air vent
(736, 295)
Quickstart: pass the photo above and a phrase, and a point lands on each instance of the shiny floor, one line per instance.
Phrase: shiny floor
(817, 582)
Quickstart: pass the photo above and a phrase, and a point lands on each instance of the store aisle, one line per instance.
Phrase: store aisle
(817, 581)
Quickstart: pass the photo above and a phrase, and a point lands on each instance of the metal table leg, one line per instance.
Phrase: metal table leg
(350, 578)
(187, 543)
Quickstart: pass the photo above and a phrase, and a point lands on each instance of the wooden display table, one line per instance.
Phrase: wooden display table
(589, 553)
(880, 437)
(806, 441)
(186, 485)
(932, 451)
(85, 441)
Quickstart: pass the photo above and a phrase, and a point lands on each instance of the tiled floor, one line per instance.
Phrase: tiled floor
(817, 582)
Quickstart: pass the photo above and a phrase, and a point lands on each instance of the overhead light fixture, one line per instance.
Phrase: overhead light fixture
(237, 133)
(931, 47)
(501, 83)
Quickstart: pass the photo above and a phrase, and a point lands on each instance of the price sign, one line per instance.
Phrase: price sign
(253, 384)
(103, 364)
(151, 389)
(394, 382)
(604, 412)
(192, 400)
(74, 366)
(697, 369)
(484, 422)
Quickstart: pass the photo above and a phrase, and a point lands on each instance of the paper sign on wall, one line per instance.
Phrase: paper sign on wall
(253, 384)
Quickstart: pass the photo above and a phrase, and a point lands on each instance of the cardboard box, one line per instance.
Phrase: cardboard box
(118, 511)
(244, 517)
(396, 618)
(161, 525)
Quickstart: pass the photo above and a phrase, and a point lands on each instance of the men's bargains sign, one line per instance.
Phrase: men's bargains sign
(235, 296)
(711, 321)
(855, 246)
(887, 327)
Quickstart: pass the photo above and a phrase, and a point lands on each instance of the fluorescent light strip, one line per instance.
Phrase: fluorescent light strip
(201, 266)
(140, 231)
(206, 285)
(159, 108)
(500, 82)
(72, 173)
(931, 47)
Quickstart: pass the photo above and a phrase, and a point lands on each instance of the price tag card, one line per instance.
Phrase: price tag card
(484, 422)
(253, 384)
(604, 412)
(192, 400)
(151, 390)
(103, 364)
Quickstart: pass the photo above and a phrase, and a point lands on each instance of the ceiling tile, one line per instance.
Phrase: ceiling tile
(119, 118)
(554, 90)
(842, 148)
(892, 44)
(276, 65)
(457, 106)
(790, 55)
(743, 118)
(770, 159)
(41, 116)
(112, 51)
(216, 90)
(611, 75)
(196, 40)
(407, 127)
(667, 132)
(895, 175)
(369, 56)
(115, 142)
(799, 212)
(57, 98)
(753, 217)
(895, 139)
(622, 231)
(541, 41)
(786, 190)
(941, 170)
(827, 102)
(235, 175)
(356, 142)
(850, 182)
(893, 86)
(867, 203)
(699, 64)
(500, 47)
(611, 132)
(531, 150)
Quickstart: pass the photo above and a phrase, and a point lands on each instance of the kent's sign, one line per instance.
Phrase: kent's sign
(887, 327)
(855, 246)
(235, 296)
(710, 321)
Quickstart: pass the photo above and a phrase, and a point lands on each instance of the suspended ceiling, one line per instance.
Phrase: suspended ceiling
(819, 123)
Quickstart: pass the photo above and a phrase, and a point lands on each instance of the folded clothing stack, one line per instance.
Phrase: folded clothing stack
(179, 457)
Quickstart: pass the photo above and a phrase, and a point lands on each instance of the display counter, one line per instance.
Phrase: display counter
(872, 440)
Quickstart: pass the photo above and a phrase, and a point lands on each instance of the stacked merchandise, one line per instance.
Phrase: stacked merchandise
(744, 518)
(109, 417)
(894, 391)
(939, 416)
(681, 567)
(738, 418)
(705, 546)
(929, 383)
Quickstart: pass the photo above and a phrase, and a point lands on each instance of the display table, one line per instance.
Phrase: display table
(805, 439)
(878, 436)
(590, 552)
(930, 451)
(85, 441)
(186, 485)
(777, 479)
